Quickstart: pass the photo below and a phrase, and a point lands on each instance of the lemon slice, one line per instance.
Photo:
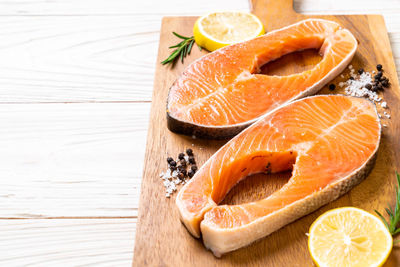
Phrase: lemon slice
(219, 29)
(349, 237)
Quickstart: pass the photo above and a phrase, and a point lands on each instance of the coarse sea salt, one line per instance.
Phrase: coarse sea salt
(356, 87)
(173, 176)
(170, 180)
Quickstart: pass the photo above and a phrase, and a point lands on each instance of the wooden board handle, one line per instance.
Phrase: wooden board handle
(268, 9)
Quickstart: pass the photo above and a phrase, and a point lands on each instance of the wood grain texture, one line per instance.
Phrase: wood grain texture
(71, 160)
(66, 242)
(156, 243)
(77, 58)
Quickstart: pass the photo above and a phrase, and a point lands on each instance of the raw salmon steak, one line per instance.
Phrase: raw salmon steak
(329, 143)
(220, 94)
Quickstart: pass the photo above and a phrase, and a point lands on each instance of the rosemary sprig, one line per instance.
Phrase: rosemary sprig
(182, 49)
(394, 216)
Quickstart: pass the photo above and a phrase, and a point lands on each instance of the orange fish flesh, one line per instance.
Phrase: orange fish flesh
(329, 143)
(222, 93)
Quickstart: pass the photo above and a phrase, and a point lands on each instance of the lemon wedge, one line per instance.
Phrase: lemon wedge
(349, 237)
(219, 29)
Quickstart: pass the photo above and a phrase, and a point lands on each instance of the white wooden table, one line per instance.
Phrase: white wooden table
(75, 91)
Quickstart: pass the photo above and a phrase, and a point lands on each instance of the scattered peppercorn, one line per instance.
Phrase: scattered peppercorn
(379, 67)
(379, 75)
(172, 163)
(332, 87)
(189, 151)
(178, 171)
(374, 88)
(360, 71)
(351, 78)
(368, 86)
(180, 167)
(385, 83)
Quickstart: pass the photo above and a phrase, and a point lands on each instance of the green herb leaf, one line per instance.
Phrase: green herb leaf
(190, 47)
(383, 219)
(177, 45)
(180, 36)
(394, 215)
(182, 49)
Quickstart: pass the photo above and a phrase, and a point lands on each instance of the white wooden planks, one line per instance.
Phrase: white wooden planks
(66, 242)
(104, 7)
(77, 58)
(71, 160)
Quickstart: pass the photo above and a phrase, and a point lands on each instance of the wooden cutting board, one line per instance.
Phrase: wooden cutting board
(161, 240)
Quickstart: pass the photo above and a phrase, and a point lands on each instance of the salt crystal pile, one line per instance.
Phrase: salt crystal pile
(364, 85)
(179, 171)
(357, 87)
(170, 180)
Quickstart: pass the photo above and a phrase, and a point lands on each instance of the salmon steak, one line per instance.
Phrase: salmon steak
(220, 94)
(328, 141)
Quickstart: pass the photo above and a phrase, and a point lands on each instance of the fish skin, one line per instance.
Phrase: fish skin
(335, 127)
(221, 93)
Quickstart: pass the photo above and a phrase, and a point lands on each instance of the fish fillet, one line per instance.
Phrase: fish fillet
(329, 143)
(222, 93)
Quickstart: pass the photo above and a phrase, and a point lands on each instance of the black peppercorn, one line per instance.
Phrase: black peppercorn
(385, 83)
(180, 167)
(189, 151)
(173, 163)
(181, 156)
(169, 159)
(182, 162)
(183, 171)
(361, 71)
(194, 168)
(181, 176)
(374, 88)
(190, 173)
(379, 67)
(332, 87)
(191, 160)
(351, 78)
(368, 86)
